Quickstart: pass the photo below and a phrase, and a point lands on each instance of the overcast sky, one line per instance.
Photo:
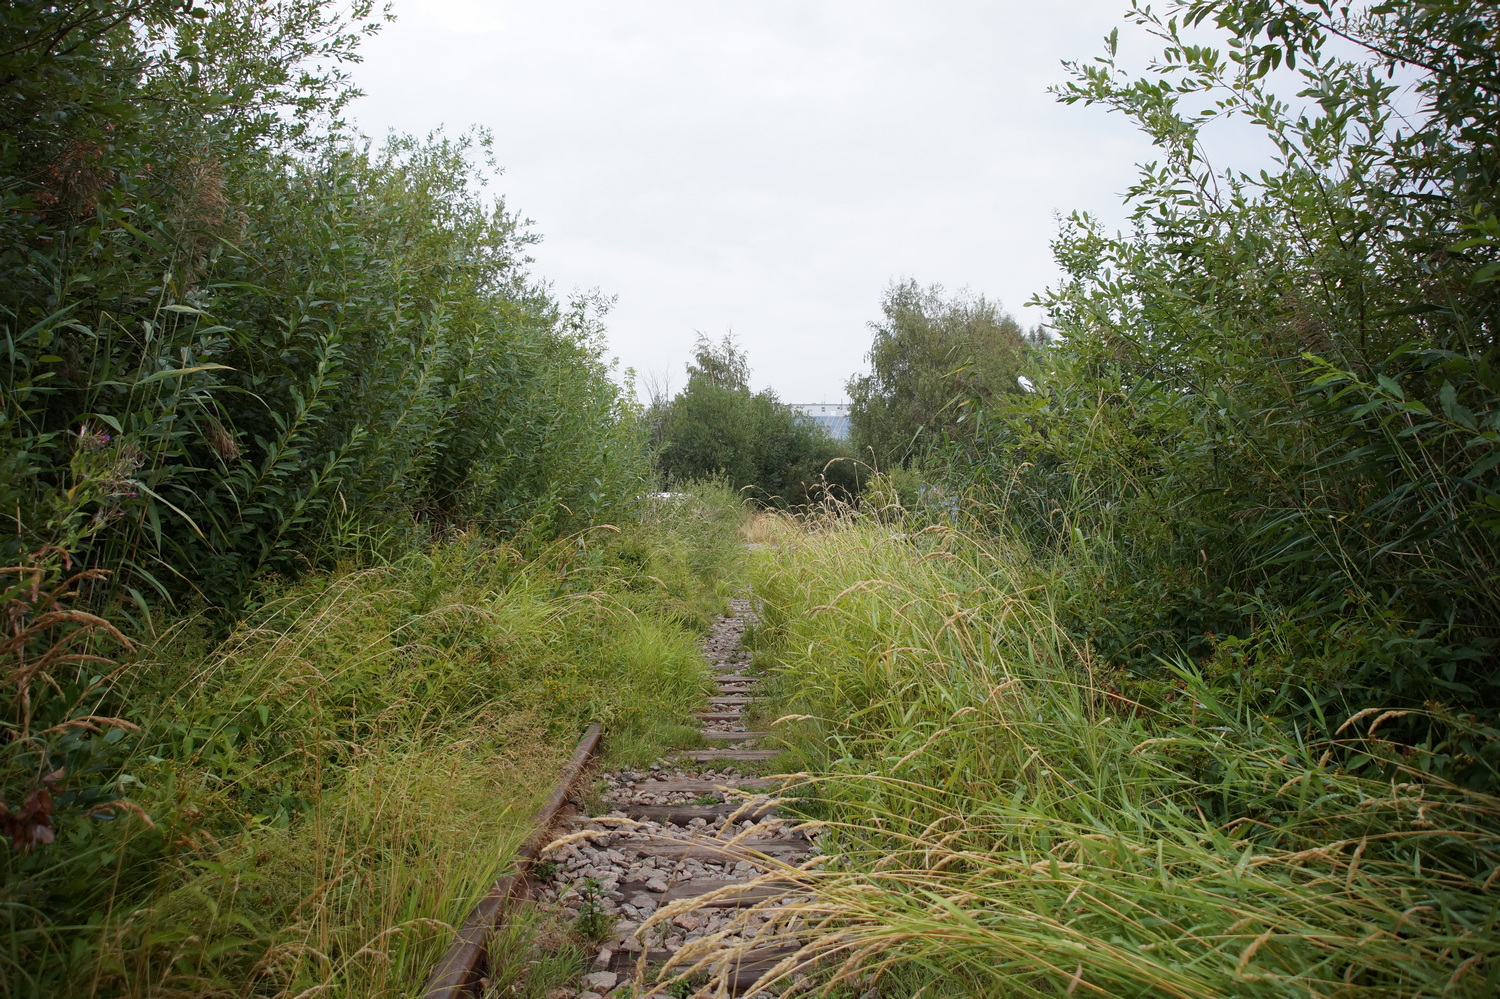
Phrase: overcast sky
(767, 166)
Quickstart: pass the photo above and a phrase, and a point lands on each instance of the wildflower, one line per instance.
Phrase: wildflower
(91, 440)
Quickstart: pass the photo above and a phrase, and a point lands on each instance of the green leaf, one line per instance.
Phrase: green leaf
(163, 375)
(171, 506)
(1489, 272)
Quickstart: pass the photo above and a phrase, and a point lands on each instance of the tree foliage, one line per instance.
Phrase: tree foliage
(237, 340)
(717, 428)
(1273, 429)
(935, 360)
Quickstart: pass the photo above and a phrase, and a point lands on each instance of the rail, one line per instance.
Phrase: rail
(461, 972)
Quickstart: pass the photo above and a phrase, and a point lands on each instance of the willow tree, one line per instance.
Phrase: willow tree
(935, 360)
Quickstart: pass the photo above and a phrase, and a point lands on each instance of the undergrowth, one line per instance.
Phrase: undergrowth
(310, 805)
(1007, 822)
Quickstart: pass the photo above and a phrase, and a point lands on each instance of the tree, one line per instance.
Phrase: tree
(722, 365)
(1274, 418)
(935, 359)
(238, 342)
(717, 427)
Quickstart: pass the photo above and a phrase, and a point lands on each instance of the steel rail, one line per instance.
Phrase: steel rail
(462, 971)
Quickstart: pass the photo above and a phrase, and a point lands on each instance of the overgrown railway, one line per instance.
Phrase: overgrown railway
(685, 860)
(682, 873)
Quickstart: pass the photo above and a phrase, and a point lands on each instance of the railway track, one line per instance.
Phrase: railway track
(682, 866)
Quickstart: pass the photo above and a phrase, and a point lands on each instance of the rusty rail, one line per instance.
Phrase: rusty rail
(462, 970)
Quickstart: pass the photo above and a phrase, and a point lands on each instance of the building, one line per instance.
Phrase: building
(831, 416)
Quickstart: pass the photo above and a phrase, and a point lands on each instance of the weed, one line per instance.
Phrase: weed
(688, 987)
(537, 955)
(594, 801)
(593, 923)
(345, 773)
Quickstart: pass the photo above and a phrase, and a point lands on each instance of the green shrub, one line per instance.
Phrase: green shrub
(238, 345)
(1267, 440)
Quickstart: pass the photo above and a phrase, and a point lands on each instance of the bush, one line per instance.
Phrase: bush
(239, 345)
(1268, 438)
(716, 427)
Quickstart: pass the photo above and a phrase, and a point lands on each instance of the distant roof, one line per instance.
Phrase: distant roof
(831, 416)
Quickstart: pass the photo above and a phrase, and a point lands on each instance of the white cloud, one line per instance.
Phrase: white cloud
(767, 167)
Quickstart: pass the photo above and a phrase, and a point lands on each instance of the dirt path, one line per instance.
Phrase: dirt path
(676, 833)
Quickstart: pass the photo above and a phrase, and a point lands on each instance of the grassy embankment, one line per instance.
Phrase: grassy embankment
(1012, 825)
(329, 789)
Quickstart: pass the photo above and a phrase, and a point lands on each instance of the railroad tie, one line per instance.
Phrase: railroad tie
(690, 826)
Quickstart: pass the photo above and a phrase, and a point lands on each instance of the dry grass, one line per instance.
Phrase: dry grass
(766, 527)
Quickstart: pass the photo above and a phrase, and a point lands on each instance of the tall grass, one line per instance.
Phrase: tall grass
(309, 806)
(1006, 822)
